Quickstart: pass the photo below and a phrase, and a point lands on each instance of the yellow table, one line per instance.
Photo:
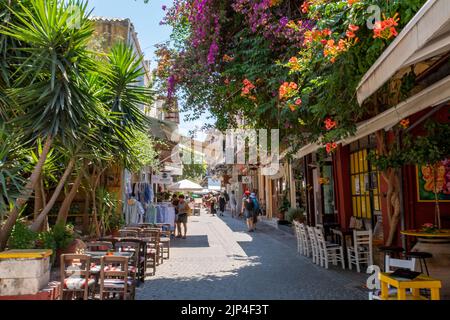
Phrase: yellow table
(421, 282)
(443, 233)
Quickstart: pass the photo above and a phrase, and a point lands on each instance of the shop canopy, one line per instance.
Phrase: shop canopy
(427, 35)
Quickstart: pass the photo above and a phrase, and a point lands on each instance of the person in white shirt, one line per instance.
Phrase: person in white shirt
(233, 204)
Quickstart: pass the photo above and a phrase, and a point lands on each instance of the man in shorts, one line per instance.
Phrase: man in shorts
(182, 217)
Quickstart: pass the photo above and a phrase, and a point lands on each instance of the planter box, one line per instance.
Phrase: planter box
(24, 272)
(51, 292)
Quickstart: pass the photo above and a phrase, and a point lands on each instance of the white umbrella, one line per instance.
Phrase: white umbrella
(185, 185)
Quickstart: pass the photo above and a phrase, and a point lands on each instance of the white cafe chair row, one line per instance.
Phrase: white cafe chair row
(311, 242)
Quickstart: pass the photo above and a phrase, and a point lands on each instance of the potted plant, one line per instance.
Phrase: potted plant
(284, 207)
(64, 237)
(116, 222)
(296, 214)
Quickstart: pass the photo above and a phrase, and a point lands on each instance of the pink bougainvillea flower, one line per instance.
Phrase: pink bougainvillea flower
(298, 102)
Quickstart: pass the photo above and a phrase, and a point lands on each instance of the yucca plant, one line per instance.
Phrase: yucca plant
(50, 59)
(12, 166)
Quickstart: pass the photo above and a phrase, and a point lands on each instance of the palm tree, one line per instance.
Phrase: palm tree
(117, 87)
(50, 61)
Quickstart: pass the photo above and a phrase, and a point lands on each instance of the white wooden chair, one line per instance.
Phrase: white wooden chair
(390, 264)
(305, 240)
(361, 251)
(328, 252)
(299, 237)
(314, 247)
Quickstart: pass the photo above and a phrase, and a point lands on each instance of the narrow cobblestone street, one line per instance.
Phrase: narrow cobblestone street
(220, 260)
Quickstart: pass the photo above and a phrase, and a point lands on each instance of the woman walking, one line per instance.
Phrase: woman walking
(248, 208)
(183, 210)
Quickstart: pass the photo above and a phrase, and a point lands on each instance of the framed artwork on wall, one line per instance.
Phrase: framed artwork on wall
(425, 182)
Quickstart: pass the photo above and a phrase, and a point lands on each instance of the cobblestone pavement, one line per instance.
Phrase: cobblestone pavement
(220, 260)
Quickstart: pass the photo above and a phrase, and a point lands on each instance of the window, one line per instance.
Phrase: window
(364, 181)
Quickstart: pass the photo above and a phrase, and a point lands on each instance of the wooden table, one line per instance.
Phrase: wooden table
(421, 282)
(97, 255)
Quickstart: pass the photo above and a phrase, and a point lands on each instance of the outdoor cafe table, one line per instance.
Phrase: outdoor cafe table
(421, 282)
(438, 244)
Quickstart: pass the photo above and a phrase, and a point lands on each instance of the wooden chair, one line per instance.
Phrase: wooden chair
(164, 242)
(298, 236)
(328, 252)
(75, 275)
(392, 264)
(305, 239)
(153, 246)
(134, 270)
(314, 247)
(99, 246)
(361, 251)
(125, 233)
(114, 279)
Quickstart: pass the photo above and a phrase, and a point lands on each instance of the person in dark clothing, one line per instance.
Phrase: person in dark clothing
(222, 203)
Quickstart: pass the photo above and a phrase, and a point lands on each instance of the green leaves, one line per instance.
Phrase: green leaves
(50, 67)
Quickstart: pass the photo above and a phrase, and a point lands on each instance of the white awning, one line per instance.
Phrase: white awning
(434, 95)
(425, 36)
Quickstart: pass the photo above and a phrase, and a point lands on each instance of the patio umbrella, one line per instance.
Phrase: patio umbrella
(185, 185)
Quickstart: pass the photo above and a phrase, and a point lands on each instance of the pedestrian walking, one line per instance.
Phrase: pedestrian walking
(182, 217)
(233, 204)
(222, 203)
(212, 203)
(248, 208)
(174, 203)
(256, 209)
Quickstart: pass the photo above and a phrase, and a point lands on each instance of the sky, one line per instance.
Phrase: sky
(146, 19)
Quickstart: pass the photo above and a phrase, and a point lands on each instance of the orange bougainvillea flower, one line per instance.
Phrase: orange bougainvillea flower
(292, 107)
(293, 60)
(351, 2)
(353, 28)
(330, 124)
(330, 146)
(248, 87)
(404, 123)
(227, 58)
(287, 90)
(386, 29)
(305, 7)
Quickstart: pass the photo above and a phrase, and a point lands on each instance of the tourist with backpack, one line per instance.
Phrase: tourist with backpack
(256, 209)
(248, 209)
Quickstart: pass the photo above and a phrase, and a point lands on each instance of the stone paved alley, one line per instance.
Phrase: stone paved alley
(220, 260)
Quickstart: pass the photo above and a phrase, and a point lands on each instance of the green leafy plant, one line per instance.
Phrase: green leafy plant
(296, 214)
(22, 237)
(63, 235)
(285, 205)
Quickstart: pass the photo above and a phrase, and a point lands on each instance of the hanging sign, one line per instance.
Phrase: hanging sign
(163, 178)
(246, 179)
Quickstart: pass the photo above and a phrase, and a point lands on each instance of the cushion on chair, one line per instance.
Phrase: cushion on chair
(77, 283)
(116, 283)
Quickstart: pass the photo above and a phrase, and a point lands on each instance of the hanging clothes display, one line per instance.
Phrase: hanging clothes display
(151, 214)
(134, 212)
(165, 213)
